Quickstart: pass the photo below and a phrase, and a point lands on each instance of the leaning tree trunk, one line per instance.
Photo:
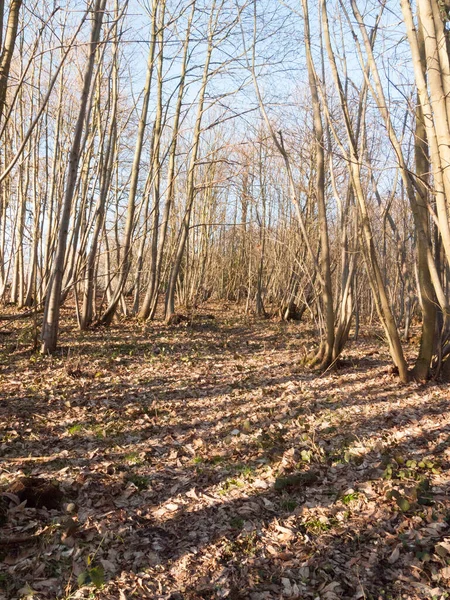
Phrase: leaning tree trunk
(417, 199)
(49, 336)
(373, 269)
(8, 49)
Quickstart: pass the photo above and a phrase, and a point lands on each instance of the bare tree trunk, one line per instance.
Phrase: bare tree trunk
(125, 259)
(8, 49)
(50, 325)
(106, 167)
(417, 200)
(190, 186)
(373, 270)
(428, 299)
(325, 354)
(151, 299)
(155, 183)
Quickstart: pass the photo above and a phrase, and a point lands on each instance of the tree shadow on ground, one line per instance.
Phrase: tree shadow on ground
(172, 469)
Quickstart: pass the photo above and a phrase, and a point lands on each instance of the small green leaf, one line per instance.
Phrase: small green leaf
(247, 426)
(403, 503)
(306, 455)
(97, 575)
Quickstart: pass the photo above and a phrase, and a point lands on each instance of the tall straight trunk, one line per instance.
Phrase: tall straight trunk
(428, 298)
(428, 301)
(156, 158)
(432, 124)
(17, 291)
(438, 79)
(31, 287)
(79, 209)
(155, 180)
(144, 233)
(125, 259)
(52, 190)
(325, 355)
(17, 278)
(77, 255)
(345, 305)
(190, 186)
(49, 336)
(151, 297)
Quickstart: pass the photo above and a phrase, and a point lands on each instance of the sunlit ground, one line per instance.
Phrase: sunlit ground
(204, 461)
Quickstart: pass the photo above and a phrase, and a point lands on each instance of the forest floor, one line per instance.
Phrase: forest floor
(203, 461)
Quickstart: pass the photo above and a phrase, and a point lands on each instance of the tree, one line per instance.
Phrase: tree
(50, 325)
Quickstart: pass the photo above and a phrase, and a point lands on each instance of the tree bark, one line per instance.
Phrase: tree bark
(50, 325)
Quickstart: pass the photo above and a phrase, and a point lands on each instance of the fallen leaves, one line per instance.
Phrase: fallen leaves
(191, 469)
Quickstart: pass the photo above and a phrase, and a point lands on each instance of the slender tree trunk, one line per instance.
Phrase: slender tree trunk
(428, 299)
(8, 49)
(151, 298)
(125, 260)
(373, 270)
(87, 312)
(325, 355)
(50, 325)
(190, 186)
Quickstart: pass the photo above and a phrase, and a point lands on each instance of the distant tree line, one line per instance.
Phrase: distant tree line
(290, 157)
